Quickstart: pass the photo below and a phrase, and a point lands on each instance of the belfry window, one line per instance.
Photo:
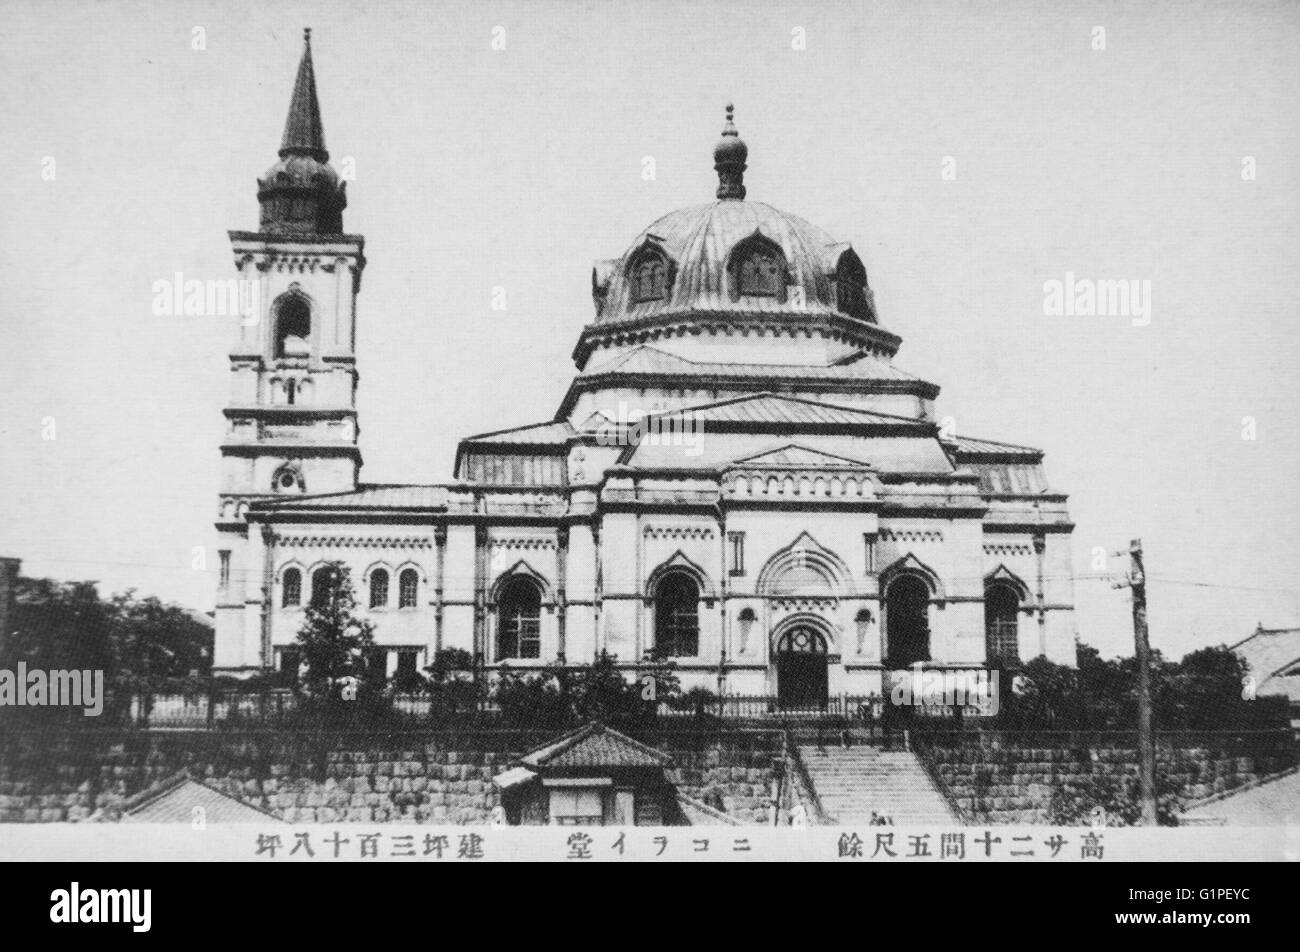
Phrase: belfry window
(677, 616)
(292, 327)
(519, 620)
(378, 588)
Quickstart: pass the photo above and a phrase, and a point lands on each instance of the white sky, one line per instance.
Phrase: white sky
(518, 168)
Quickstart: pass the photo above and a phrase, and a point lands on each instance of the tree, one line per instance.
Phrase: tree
(451, 684)
(334, 641)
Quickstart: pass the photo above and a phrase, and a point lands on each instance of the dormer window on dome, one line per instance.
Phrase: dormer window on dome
(650, 274)
(850, 279)
(757, 268)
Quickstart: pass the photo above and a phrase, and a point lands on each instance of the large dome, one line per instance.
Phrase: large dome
(734, 268)
(702, 249)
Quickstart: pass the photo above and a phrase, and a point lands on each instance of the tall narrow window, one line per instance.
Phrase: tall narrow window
(322, 585)
(378, 588)
(291, 588)
(737, 540)
(677, 616)
(224, 555)
(1001, 625)
(869, 546)
(519, 620)
(408, 588)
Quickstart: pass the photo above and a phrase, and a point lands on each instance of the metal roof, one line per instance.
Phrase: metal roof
(781, 410)
(646, 359)
(534, 434)
(967, 444)
(365, 497)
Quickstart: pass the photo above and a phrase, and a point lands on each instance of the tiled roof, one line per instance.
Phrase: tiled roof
(1274, 801)
(366, 497)
(543, 434)
(1270, 652)
(595, 745)
(174, 801)
(646, 359)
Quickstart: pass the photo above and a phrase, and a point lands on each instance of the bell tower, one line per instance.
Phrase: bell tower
(291, 420)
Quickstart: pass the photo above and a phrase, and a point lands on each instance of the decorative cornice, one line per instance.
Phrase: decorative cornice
(355, 542)
(678, 532)
(904, 535)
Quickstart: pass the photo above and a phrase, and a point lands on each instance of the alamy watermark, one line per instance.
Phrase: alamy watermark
(35, 687)
(1085, 297)
(936, 688)
(178, 297)
(636, 427)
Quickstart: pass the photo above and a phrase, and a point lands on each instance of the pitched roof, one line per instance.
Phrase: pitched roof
(595, 745)
(795, 456)
(970, 446)
(1272, 653)
(377, 497)
(534, 434)
(1272, 801)
(175, 799)
(781, 410)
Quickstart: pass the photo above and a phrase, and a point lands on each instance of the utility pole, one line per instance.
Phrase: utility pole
(1146, 743)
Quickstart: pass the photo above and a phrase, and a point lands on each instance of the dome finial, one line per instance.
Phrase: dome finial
(306, 35)
(729, 157)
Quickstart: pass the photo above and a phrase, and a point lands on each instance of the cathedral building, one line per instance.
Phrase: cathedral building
(738, 478)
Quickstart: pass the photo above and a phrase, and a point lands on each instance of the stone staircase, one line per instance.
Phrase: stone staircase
(851, 782)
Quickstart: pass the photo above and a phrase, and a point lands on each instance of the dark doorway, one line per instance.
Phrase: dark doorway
(907, 622)
(801, 676)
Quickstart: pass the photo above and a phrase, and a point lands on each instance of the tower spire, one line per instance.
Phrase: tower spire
(303, 132)
(729, 157)
(301, 193)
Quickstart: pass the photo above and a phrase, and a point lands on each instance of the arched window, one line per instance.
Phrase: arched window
(291, 588)
(322, 586)
(746, 620)
(292, 327)
(408, 588)
(677, 616)
(1001, 625)
(519, 620)
(378, 588)
(649, 274)
(907, 621)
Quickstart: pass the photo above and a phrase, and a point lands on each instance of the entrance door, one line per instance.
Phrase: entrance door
(801, 676)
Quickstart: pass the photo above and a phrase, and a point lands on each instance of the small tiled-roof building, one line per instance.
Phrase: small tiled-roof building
(1273, 655)
(595, 776)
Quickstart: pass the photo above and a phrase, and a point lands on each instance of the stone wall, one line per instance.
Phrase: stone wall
(425, 780)
(1011, 784)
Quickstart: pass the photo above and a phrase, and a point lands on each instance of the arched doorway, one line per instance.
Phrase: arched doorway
(801, 676)
(907, 621)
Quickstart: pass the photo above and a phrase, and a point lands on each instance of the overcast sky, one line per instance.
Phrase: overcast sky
(479, 168)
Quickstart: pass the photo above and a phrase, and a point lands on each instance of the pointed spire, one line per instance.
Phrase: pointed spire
(729, 157)
(303, 132)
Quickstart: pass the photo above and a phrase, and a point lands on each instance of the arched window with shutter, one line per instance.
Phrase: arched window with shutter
(291, 588)
(519, 619)
(677, 616)
(379, 588)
